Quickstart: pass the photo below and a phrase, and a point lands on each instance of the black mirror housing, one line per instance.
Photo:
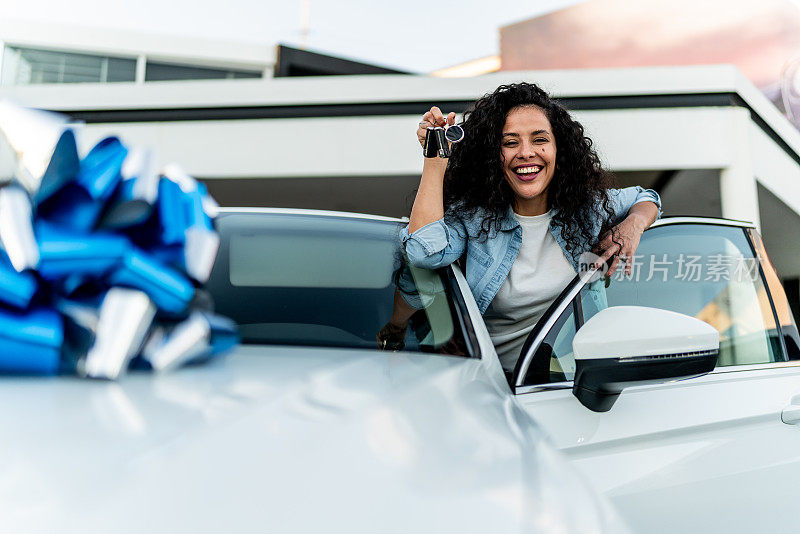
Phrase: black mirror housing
(598, 382)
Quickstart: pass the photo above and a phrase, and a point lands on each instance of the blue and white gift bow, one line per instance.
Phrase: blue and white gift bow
(101, 257)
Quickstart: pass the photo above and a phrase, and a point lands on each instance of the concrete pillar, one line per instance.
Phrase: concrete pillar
(141, 66)
(737, 181)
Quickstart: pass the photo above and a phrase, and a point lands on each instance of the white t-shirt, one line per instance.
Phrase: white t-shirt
(540, 272)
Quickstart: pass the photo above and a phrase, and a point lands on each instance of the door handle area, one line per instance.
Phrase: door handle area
(791, 414)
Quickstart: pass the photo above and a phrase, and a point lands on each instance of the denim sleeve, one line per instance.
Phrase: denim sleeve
(418, 287)
(436, 244)
(408, 288)
(623, 200)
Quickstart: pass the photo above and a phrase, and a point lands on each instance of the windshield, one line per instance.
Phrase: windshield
(304, 279)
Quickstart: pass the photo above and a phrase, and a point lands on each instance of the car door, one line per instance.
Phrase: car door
(708, 454)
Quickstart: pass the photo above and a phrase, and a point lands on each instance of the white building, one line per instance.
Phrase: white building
(36, 53)
(704, 137)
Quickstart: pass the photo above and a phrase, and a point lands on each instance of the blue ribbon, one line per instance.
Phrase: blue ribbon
(16, 289)
(30, 342)
(79, 202)
(168, 289)
(101, 225)
(64, 251)
(136, 194)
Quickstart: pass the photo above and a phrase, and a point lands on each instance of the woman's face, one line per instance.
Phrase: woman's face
(528, 151)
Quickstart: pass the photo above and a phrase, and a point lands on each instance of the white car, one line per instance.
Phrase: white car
(308, 427)
(716, 452)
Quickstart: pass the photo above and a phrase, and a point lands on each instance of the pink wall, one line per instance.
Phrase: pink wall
(758, 36)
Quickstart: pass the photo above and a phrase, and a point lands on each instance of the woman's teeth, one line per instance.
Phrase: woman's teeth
(528, 171)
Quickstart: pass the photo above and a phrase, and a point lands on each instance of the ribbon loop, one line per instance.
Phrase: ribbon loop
(16, 228)
(200, 336)
(45, 148)
(30, 342)
(137, 191)
(125, 316)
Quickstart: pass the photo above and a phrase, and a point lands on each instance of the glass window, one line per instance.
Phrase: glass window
(707, 272)
(554, 361)
(120, 70)
(158, 71)
(23, 66)
(296, 279)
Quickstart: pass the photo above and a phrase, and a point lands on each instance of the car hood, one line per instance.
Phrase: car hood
(286, 439)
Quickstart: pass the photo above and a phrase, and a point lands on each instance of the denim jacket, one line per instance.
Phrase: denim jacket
(489, 261)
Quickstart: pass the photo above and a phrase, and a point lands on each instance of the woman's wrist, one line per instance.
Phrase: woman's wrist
(433, 170)
(639, 221)
(435, 163)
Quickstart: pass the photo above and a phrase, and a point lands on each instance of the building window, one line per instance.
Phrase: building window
(24, 66)
(156, 71)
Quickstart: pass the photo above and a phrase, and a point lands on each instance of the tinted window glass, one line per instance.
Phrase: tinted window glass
(707, 272)
(261, 260)
(554, 361)
(22, 66)
(156, 71)
(328, 281)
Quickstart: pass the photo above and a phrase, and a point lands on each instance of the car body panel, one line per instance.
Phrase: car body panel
(287, 439)
(705, 454)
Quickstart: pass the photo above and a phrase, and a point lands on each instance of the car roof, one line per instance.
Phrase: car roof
(718, 221)
(316, 213)
(351, 215)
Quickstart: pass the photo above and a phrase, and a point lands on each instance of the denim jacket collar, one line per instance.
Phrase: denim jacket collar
(509, 222)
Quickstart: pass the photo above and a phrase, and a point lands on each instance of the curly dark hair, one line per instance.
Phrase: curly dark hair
(475, 180)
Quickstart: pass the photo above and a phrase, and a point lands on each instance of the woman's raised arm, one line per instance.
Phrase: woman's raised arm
(429, 202)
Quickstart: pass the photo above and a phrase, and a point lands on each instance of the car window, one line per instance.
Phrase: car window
(704, 271)
(297, 279)
(554, 361)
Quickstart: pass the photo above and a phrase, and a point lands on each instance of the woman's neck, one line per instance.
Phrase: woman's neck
(531, 206)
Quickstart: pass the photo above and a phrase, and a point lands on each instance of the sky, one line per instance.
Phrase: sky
(414, 35)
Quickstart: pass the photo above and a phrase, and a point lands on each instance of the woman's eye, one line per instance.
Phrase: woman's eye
(510, 144)
(540, 140)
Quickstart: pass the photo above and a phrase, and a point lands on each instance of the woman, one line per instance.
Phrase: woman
(523, 196)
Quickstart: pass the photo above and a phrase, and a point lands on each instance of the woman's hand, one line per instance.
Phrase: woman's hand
(393, 334)
(623, 239)
(392, 337)
(429, 202)
(434, 117)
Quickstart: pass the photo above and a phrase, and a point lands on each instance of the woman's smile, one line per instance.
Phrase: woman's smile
(526, 173)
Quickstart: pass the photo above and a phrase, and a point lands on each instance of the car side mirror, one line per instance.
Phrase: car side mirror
(624, 346)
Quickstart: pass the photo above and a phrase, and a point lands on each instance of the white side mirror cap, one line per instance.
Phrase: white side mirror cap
(633, 345)
(636, 331)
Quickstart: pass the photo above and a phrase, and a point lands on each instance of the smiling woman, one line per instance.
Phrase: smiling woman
(523, 197)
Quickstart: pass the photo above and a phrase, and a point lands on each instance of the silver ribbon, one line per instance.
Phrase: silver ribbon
(188, 340)
(44, 147)
(16, 228)
(125, 316)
